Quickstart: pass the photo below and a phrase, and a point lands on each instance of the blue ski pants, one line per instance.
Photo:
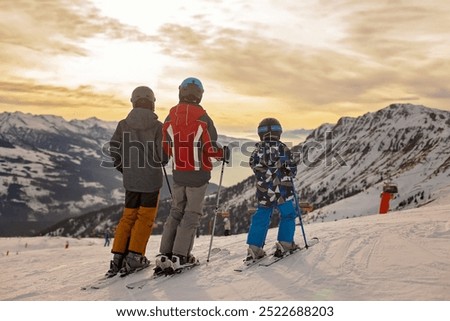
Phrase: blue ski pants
(260, 223)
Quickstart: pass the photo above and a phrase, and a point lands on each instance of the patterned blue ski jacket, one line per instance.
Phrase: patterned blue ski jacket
(274, 168)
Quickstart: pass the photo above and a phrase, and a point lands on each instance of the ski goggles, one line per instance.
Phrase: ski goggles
(272, 128)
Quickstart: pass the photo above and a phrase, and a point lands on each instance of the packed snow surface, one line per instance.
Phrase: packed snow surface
(398, 256)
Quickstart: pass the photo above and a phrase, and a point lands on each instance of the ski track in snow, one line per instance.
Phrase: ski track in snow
(399, 256)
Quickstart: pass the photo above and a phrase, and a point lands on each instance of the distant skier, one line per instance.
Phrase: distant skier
(107, 240)
(190, 138)
(136, 149)
(226, 226)
(274, 167)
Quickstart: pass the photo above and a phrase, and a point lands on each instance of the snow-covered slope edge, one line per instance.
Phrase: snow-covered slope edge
(398, 256)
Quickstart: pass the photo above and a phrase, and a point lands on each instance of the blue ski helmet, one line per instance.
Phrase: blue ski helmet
(269, 128)
(191, 90)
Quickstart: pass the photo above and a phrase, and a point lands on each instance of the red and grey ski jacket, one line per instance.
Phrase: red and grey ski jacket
(190, 138)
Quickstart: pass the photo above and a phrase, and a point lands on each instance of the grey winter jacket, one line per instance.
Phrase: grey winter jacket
(136, 149)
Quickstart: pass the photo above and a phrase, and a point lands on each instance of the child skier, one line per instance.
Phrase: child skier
(190, 138)
(136, 147)
(274, 168)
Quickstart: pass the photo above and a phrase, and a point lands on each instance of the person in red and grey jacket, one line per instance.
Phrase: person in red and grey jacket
(190, 139)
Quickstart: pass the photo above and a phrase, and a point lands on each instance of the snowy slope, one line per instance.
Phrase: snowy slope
(398, 256)
(343, 166)
(404, 143)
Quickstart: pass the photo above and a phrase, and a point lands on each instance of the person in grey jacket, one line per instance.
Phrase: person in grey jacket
(136, 150)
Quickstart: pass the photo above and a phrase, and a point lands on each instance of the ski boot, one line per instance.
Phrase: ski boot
(178, 262)
(163, 261)
(115, 265)
(282, 248)
(254, 253)
(134, 262)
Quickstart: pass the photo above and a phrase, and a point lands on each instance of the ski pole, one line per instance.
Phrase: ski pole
(165, 174)
(167, 180)
(299, 213)
(216, 209)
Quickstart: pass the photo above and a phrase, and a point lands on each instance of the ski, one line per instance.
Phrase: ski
(142, 282)
(105, 281)
(100, 283)
(274, 259)
(271, 259)
(161, 275)
(248, 264)
(123, 272)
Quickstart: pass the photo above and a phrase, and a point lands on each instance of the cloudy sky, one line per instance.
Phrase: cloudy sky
(304, 62)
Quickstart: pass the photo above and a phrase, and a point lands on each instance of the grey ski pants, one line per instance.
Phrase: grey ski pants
(184, 218)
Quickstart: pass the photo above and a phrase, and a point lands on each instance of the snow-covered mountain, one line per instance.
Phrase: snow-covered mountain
(52, 169)
(344, 166)
(405, 144)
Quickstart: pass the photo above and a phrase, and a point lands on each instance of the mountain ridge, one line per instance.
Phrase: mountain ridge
(352, 159)
(52, 170)
(342, 163)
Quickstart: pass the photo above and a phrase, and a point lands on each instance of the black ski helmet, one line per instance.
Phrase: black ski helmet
(191, 90)
(269, 128)
(143, 96)
(142, 92)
